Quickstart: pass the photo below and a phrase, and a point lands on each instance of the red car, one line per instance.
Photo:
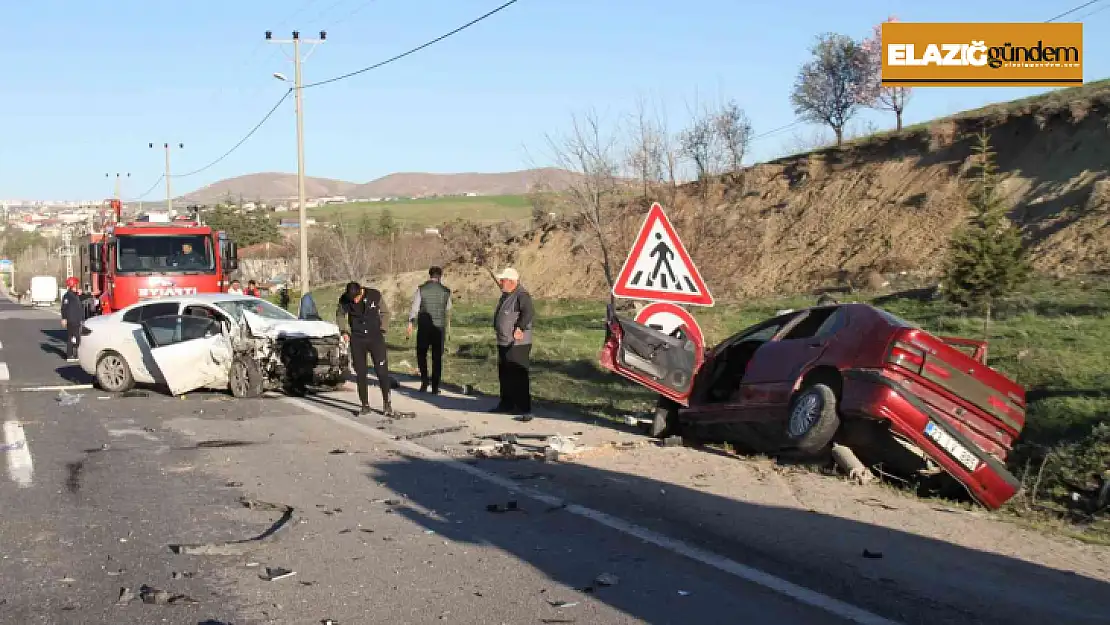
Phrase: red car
(896, 394)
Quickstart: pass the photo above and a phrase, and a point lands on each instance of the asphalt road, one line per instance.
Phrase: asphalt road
(97, 488)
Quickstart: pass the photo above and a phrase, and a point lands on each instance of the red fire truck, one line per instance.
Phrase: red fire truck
(150, 257)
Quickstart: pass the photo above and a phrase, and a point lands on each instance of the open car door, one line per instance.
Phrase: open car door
(190, 352)
(660, 362)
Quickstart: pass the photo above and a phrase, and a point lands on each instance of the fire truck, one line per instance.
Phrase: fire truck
(154, 256)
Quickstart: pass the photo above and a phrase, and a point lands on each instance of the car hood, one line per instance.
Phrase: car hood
(290, 328)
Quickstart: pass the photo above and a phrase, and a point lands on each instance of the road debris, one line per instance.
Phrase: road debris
(425, 433)
(684, 593)
(239, 547)
(273, 574)
(511, 506)
(155, 596)
(672, 441)
(187, 575)
(872, 555)
(846, 459)
(66, 399)
(562, 604)
(337, 452)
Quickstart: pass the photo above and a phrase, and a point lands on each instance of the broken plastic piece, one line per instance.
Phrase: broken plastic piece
(562, 604)
(607, 579)
(273, 574)
(238, 547)
(65, 399)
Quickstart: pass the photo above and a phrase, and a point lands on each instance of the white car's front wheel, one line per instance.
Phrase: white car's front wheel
(113, 374)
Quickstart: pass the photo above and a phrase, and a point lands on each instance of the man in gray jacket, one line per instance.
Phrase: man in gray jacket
(512, 324)
(430, 314)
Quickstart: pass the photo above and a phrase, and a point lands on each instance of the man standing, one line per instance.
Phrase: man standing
(431, 307)
(363, 318)
(73, 315)
(236, 288)
(512, 324)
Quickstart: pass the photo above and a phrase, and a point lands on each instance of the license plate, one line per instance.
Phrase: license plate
(948, 443)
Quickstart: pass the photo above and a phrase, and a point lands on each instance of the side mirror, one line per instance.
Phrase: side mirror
(95, 264)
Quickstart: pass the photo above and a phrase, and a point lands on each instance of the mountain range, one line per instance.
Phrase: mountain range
(277, 186)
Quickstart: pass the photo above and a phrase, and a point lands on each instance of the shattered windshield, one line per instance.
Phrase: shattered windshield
(260, 307)
(165, 253)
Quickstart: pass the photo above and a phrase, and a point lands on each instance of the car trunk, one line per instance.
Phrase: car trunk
(982, 402)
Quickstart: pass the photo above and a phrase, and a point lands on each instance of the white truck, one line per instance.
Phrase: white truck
(44, 290)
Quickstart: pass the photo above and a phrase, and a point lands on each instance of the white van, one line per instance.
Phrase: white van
(44, 290)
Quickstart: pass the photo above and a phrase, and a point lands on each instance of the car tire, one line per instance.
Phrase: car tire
(812, 421)
(113, 374)
(665, 422)
(246, 378)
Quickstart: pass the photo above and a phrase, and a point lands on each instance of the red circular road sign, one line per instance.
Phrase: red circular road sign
(671, 319)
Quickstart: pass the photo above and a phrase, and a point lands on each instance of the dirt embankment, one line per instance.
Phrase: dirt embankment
(881, 207)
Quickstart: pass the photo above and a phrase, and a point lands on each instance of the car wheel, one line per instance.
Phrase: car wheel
(246, 378)
(665, 422)
(113, 374)
(813, 420)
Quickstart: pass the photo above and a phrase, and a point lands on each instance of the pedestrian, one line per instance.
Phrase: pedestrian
(252, 289)
(363, 317)
(512, 325)
(73, 315)
(236, 288)
(283, 296)
(431, 308)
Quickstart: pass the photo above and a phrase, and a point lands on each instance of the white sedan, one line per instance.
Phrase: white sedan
(214, 341)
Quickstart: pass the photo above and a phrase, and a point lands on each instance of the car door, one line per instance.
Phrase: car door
(644, 355)
(134, 344)
(775, 367)
(190, 352)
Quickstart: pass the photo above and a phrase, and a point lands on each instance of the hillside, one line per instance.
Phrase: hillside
(271, 185)
(880, 209)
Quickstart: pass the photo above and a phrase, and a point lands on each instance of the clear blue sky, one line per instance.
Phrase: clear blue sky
(88, 85)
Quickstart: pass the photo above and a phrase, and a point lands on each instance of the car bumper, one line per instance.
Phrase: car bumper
(870, 393)
(314, 361)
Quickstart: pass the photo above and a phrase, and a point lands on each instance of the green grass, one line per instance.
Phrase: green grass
(433, 211)
(1052, 338)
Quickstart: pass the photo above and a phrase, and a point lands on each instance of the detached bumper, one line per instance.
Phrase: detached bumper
(869, 393)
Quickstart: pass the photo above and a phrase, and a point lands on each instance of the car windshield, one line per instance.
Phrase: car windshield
(260, 307)
(165, 253)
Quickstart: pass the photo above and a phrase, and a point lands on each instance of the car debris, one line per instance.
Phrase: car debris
(66, 399)
(846, 459)
(239, 547)
(607, 579)
(426, 433)
(153, 596)
(511, 506)
(872, 555)
(273, 574)
(562, 604)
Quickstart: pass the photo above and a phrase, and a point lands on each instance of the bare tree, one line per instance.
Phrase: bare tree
(647, 149)
(734, 133)
(590, 151)
(699, 144)
(344, 252)
(872, 93)
(827, 89)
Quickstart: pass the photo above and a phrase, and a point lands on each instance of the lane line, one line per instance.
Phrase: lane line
(753, 575)
(21, 467)
(1, 346)
(5, 375)
(59, 387)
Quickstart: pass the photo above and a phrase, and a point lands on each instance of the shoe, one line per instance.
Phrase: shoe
(365, 410)
(387, 409)
(424, 387)
(524, 417)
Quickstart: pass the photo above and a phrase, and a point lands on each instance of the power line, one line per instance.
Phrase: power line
(1073, 10)
(413, 50)
(250, 134)
(1095, 12)
(148, 191)
(761, 135)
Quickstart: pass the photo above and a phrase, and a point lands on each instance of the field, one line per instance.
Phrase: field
(1052, 338)
(421, 213)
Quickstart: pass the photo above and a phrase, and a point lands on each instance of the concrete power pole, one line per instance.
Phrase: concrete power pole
(67, 250)
(302, 212)
(169, 188)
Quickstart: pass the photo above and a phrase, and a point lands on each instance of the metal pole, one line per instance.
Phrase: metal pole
(302, 210)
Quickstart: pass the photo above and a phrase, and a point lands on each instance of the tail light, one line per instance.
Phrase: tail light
(906, 356)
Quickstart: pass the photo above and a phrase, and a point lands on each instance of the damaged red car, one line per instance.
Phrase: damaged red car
(901, 398)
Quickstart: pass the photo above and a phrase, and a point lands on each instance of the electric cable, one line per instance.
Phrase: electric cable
(247, 136)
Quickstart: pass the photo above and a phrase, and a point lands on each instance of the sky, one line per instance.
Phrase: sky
(89, 85)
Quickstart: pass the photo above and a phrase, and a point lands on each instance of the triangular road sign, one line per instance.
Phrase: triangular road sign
(659, 269)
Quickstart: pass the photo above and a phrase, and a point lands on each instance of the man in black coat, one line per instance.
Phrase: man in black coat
(363, 317)
(73, 315)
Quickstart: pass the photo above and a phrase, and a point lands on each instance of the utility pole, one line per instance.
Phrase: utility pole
(169, 189)
(302, 212)
(118, 193)
(67, 249)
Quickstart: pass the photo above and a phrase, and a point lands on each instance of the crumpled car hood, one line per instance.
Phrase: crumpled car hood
(292, 328)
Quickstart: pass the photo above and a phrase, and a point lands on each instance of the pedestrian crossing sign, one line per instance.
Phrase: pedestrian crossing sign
(659, 269)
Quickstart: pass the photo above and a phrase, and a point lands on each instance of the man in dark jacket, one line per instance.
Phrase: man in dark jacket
(363, 317)
(73, 315)
(431, 307)
(512, 324)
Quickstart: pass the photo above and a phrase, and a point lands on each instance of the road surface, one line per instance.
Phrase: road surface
(98, 490)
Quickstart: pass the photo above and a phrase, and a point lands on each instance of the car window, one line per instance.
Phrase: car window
(819, 322)
(149, 311)
(171, 329)
(260, 307)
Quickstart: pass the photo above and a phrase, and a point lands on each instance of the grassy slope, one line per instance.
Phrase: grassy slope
(1052, 338)
(434, 211)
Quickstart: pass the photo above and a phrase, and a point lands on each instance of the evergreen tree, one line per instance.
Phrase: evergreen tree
(386, 224)
(986, 259)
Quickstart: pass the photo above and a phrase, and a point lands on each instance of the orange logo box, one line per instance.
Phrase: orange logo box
(982, 55)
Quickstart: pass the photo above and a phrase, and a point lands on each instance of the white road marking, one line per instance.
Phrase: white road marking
(1, 346)
(21, 467)
(793, 591)
(60, 387)
(5, 375)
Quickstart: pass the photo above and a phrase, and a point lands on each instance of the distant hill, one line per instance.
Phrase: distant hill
(273, 185)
